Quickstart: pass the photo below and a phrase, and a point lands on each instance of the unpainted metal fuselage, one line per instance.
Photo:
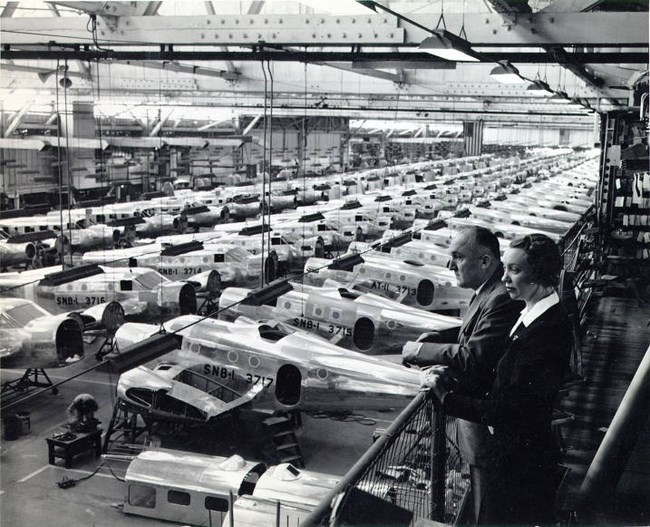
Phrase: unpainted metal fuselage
(281, 367)
(361, 322)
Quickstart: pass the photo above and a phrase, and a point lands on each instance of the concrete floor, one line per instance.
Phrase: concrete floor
(29, 495)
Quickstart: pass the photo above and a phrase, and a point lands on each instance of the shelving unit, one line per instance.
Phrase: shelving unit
(624, 196)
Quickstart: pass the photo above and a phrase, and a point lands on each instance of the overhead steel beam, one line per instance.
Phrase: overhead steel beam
(38, 142)
(23, 144)
(361, 63)
(16, 120)
(516, 7)
(86, 7)
(209, 6)
(155, 142)
(44, 71)
(511, 6)
(53, 9)
(483, 29)
(561, 118)
(9, 10)
(187, 68)
(251, 125)
(417, 95)
(570, 6)
(113, 9)
(83, 66)
(397, 78)
(159, 124)
(209, 125)
(256, 7)
(358, 111)
(357, 57)
(152, 8)
(576, 67)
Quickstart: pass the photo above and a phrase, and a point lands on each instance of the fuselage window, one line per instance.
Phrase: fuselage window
(142, 496)
(213, 503)
(178, 497)
(363, 333)
(287, 387)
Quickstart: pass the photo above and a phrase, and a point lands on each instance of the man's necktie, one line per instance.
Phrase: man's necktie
(471, 300)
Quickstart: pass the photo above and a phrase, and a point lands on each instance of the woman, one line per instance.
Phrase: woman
(519, 405)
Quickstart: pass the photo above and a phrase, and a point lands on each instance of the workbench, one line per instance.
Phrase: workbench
(67, 446)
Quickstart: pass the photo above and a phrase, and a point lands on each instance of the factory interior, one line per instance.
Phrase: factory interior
(224, 222)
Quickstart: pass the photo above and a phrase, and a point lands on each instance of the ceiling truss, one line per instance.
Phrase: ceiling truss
(213, 57)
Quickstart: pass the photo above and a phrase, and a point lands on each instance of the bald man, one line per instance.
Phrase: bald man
(476, 261)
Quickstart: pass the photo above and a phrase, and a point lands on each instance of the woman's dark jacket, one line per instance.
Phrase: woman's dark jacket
(520, 402)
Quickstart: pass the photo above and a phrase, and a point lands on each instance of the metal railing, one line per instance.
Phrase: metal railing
(414, 465)
(578, 249)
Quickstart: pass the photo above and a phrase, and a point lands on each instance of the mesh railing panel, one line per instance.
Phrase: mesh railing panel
(457, 481)
(418, 466)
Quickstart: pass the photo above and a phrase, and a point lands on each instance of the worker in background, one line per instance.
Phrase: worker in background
(476, 262)
(519, 404)
(81, 413)
(37, 259)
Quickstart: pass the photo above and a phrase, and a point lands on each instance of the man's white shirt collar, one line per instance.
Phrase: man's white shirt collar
(527, 316)
(481, 287)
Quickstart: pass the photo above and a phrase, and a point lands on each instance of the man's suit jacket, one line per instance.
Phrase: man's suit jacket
(520, 402)
(481, 344)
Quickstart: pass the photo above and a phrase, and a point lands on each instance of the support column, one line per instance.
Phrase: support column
(82, 160)
(472, 138)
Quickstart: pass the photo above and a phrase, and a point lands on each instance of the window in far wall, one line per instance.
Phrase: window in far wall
(565, 136)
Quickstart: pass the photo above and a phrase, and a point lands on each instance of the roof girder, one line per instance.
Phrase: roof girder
(483, 29)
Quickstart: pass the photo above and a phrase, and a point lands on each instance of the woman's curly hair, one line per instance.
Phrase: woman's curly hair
(543, 257)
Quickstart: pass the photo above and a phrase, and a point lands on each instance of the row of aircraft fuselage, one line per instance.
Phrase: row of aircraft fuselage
(312, 342)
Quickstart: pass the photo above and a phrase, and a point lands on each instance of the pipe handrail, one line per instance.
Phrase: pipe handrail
(320, 512)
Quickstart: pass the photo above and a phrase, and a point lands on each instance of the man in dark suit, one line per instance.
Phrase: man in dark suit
(475, 259)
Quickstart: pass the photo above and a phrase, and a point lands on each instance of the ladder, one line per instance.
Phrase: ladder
(283, 440)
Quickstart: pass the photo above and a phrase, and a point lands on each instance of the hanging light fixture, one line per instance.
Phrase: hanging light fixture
(507, 73)
(560, 97)
(441, 43)
(448, 46)
(65, 82)
(45, 75)
(538, 88)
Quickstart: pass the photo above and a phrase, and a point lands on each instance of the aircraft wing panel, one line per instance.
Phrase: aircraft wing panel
(199, 399)
(120, 256)
(142, 377)
(133, 332)
(371, 373)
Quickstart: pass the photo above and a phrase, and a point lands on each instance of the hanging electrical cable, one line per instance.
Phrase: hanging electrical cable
(102, 160)
(301, 156)
(263, 202)
(66, 85)
(59, 157)
(159, 125)
(101, 163)
(272, 264)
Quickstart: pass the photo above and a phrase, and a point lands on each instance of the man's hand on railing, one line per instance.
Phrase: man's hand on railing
(410, 353)
(439, 379)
